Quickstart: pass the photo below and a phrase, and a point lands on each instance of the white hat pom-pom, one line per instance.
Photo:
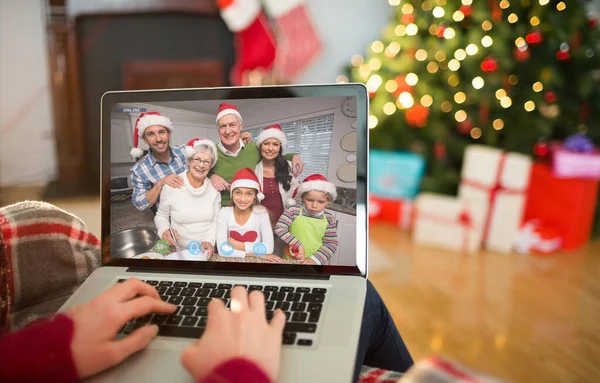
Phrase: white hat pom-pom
(291, 202)
(136, 152)
(189, 151)
(260, 196)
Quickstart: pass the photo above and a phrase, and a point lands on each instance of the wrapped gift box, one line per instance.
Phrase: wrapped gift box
(495, 183)
(395, 211)
(445, 222)
(395, 175)
(565, 204)
(572, 164)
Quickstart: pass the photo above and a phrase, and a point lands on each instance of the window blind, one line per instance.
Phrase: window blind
(310, 138)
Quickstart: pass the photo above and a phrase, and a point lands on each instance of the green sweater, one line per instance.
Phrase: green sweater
(227, 166)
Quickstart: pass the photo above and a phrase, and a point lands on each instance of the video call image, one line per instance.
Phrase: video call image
(249, 180)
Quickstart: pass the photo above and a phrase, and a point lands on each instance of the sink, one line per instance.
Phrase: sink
(344, 202)
(131, 242)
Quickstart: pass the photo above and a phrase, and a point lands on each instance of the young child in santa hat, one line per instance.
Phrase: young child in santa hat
(309, 230)
(244, 229)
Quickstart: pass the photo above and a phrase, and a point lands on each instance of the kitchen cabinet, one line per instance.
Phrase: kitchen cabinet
(185, 131)
(121, 139)
(346, 230)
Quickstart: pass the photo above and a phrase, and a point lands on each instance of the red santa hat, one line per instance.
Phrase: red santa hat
(246, 178)
(225, 109)
(193, 144)
(273, 131)
(314, 182)
(144, 121)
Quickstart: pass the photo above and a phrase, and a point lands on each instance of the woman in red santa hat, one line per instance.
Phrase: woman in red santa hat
(309, 230)
(274, 172)
(192, 211)
(244, 229)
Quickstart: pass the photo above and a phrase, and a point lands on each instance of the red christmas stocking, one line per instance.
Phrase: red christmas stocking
(298, 42)
(254, 40)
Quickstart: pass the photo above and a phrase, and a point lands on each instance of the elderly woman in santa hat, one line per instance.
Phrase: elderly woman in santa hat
(274, 173)
(193, 209)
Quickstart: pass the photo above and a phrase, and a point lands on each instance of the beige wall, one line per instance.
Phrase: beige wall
(27, 154)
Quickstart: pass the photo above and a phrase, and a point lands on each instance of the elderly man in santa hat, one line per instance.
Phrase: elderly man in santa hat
(235, 154)
(160, 166)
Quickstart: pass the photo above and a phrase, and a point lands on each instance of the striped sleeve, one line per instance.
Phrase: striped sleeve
(330, 242)
(282, 228)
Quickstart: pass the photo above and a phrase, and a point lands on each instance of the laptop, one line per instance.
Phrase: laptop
(326, 125)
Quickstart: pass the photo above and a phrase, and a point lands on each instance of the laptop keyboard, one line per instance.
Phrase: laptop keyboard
(302, 307)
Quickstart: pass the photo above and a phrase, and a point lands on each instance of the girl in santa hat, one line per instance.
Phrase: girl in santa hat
(192, 211)
(309, 230)
(244, 229)
(274, 172)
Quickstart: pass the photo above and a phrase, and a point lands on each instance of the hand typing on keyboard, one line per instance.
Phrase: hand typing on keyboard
(242, 331)
(97, 323)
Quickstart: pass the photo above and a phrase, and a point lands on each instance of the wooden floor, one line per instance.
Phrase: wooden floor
(519, 318)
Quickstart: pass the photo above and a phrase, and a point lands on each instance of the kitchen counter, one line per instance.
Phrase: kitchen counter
(123, 215)
(217, 258)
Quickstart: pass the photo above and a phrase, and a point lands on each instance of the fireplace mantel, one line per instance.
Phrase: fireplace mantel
(86, 41)
(76, 8)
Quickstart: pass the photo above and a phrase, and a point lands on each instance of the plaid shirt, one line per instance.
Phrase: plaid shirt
(147, 172)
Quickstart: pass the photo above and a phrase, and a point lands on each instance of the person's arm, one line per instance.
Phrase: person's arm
(297, 163)
(145, 195)
(237, 370)
(330, 243)
(211, 234)
(266, 234)
(222, 234)
(239, 345)
(222, 223)
(161, 220)
(40, 352)
(142, 197)
(282, 228)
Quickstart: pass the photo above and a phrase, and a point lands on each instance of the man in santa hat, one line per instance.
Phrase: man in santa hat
(234, 154)
(160, 166)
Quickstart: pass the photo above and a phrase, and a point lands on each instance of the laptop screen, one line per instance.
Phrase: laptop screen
(247, 180)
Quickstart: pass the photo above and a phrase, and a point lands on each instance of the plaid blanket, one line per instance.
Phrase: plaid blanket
(45, 254)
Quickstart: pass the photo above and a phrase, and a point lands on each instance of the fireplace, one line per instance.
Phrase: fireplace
(101, 45)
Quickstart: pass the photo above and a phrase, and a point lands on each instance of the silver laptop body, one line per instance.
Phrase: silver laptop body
(341, 108)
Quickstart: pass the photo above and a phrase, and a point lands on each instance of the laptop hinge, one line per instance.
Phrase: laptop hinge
(323, 277)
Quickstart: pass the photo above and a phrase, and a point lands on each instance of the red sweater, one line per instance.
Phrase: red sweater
(41, 352)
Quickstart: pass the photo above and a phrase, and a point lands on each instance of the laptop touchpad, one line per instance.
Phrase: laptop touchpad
(152, 365)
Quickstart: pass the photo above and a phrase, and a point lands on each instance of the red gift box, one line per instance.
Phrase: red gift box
(396, 211)
(566, 204)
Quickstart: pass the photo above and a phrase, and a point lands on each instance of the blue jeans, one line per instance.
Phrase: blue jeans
(380, 344)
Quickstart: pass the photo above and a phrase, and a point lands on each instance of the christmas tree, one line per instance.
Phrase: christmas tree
(511, 74)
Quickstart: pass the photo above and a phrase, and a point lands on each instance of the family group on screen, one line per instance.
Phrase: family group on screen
(235, 198)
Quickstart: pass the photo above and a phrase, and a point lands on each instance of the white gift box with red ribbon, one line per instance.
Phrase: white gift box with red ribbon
(495, 184)
(445, 222)
(535, 238)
